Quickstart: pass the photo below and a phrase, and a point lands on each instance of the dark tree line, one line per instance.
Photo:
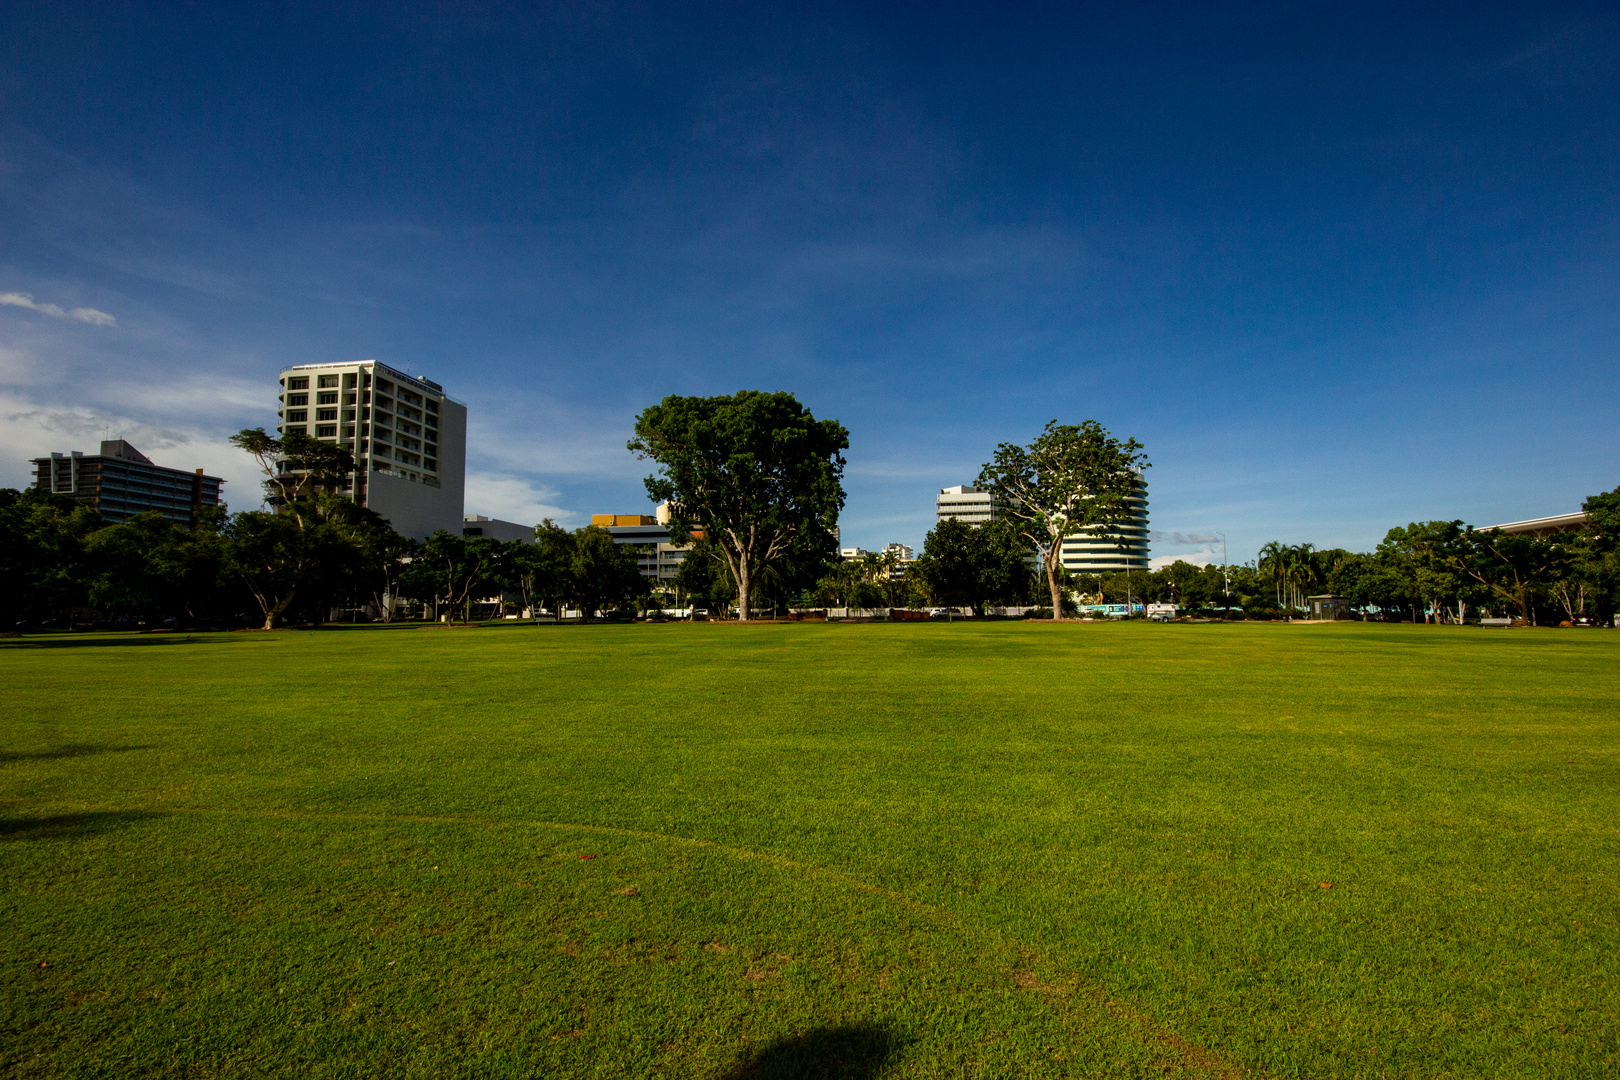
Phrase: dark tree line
(1427, 571)
(311, 552)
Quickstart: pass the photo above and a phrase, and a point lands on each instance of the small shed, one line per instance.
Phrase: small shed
(1328, 606)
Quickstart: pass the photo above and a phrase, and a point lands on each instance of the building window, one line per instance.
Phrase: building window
(326, 431)
(326, 414)
(326, 399)
(433, 406)
(384, 386)
(291, 429)
(379, 451)
(298, 399)
(431, 449)
(297, 416)
(327, 382)
(429, 463)
(301, 383)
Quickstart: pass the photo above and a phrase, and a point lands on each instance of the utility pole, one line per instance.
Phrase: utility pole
(1226, 580)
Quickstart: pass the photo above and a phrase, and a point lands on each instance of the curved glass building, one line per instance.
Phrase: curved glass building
(1108, 551)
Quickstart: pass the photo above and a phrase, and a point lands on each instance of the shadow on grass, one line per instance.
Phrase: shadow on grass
(103, 641)
(849, 1052)
(66, 751)
(69, 826)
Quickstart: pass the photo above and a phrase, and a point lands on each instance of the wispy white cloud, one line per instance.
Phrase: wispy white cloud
(81, 314)
(515, 498)
(1196, 558)
(531, 432)
(1181, 539)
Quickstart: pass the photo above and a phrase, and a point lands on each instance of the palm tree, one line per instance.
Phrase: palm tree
(1274, 561)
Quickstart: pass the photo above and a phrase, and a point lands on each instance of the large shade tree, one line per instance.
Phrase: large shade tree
(296, 467)
(973, 565)
(758, 473)
(1074, 478)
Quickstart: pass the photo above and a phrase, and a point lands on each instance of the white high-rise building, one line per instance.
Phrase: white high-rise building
(970, 504)
(1103, 551)
(408, 438)
(1120, 547)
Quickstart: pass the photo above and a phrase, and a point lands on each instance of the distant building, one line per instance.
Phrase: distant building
(903, 551)
(962, 503)
(1106, 551)
(408, 438)
(494, 529)
(850, 554)
(121, 482)
(656, 558)
(1110, 550)
(1542, 527)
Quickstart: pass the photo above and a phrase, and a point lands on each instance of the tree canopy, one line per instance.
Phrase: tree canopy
(755, 472)
(964, 565)
(1074, 478)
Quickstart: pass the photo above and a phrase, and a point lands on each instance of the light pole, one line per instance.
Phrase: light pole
(1226, 580)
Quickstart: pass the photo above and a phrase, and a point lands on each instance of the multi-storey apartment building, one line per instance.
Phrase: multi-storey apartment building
(970, 504)
(121, 482)
(648, 538)
(1120, 547)
(1099, 551)
(408, 438)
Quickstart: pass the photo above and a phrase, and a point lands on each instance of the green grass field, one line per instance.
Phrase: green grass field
(812, 850)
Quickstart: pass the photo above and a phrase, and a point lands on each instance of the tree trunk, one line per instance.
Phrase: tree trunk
(1053, 584)
(742, 586)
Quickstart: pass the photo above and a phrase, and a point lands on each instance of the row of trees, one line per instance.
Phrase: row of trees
(753, 483)
(1434, 571)
(63, 563)
(758, 478)
(312, 551)
(1438, 570)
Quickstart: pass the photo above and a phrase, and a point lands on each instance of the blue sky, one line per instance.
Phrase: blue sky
(1339, 267)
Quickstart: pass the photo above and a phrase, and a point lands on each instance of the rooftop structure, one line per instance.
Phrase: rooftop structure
(121, 482)
(476, 525)
(408, 438)
(1546, 526)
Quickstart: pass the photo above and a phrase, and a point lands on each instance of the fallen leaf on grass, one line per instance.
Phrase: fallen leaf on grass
(587, 856)
(629, 890)
(1325, 885)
